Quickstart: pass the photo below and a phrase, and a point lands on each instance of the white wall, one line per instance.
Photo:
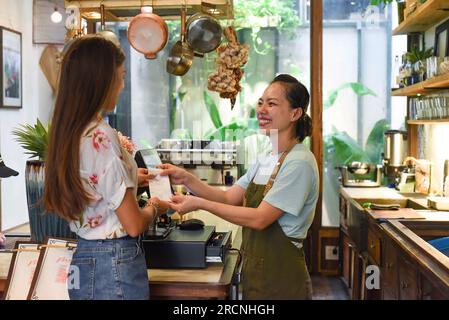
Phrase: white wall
(37, 102)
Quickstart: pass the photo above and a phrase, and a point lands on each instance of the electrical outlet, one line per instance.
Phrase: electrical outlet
(331, 252)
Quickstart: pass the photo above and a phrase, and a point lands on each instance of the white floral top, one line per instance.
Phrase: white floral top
(107, 170)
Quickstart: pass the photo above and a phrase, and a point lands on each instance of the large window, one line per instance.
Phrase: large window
(357, 46)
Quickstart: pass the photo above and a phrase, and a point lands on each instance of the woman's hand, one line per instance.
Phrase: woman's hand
(185, 204)
(2, 240)
(143, 176)
(177, 175)
(161, 206)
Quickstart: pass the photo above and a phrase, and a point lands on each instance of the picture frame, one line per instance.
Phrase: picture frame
(11, 68)
(441, 47)
(21, 270)
(51, 274)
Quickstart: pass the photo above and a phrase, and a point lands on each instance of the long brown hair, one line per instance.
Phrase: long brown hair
(87, 80)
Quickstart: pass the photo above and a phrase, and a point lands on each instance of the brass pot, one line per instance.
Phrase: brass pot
(181, 55)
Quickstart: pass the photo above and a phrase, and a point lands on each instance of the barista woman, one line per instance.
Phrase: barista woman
(91, 180)
(274, 202)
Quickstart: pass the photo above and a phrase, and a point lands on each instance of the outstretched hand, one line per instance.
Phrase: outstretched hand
(2, 240)
(143, 176)
(184, 204)
(177, 175)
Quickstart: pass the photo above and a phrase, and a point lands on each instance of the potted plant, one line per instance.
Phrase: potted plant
(34, 139)
(417, 58)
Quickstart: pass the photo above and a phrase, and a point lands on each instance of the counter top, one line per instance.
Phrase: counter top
(385, 193)
(371, 193)
(214, 281)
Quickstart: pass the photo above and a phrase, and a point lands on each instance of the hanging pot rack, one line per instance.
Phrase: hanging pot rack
(125, 10)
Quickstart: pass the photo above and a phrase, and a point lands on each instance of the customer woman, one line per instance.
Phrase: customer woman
(91, 180)
(274, 201)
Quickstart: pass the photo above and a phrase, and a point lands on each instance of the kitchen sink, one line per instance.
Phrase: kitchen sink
(404, 203)
(357, 219)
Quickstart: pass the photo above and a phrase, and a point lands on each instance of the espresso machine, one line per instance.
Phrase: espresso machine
(214, 162)
(395, 152)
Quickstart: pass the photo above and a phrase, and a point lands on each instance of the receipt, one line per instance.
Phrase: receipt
(160, 186)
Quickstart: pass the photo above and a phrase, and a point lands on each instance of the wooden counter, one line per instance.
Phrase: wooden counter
(410, 268)
(216, 281)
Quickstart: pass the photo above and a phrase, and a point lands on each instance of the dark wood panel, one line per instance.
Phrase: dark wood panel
(374, 246)
(389, 272)
(316, 110)
(408, 278)
(429, 291)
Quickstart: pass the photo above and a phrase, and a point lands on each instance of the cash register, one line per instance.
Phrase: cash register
(187, 248)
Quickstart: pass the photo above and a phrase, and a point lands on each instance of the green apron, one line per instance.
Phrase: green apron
(273, 267)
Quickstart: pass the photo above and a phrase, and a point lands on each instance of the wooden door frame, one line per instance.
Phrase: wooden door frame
(316, 110)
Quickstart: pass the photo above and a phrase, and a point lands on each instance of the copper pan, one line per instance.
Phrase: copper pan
(148, 34)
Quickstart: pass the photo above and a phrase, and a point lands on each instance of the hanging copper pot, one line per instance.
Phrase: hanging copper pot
(148, 34)
(181, 55)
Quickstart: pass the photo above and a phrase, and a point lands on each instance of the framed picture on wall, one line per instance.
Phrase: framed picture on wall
(442, 40)
(11, 68)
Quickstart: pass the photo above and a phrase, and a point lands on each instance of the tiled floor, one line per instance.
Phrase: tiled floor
(328, 288)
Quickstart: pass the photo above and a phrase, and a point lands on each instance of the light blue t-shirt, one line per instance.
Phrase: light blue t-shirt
(294, 191)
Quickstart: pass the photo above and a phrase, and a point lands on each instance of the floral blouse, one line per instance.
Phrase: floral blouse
(107, 170)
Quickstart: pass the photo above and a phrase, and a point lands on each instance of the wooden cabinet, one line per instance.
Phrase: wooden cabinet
(343, 206)
(429, 291)
(345, 259)
(389, 272)
(408, 278)
(374, 246)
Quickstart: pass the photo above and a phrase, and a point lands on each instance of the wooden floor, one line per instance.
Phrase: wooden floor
(328, 288)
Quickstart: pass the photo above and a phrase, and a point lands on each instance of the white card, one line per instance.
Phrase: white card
(160, 186)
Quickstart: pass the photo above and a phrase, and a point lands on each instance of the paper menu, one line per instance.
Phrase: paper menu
(160, 186)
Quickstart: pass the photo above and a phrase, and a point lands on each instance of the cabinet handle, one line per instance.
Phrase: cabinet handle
(404, 285)
(389, 265)
(372, 245)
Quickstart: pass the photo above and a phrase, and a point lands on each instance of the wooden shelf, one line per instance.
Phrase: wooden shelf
(430, 86)
(432, 121)
(427, 15)
(125, 10)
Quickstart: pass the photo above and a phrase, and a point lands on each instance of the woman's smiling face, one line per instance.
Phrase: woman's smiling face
(274, 111)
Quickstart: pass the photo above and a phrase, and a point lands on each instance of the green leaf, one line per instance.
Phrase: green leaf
(358, 88)
(375, 141)
(347, 150)
(34, 139)
(212, 109)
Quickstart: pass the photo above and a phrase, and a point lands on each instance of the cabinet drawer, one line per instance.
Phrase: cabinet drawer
(374, 246)
(389, 274)
(408, 279)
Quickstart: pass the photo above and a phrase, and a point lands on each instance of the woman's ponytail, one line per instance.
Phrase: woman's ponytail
(299, 97)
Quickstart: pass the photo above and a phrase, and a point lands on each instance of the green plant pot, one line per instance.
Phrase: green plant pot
(42, 224)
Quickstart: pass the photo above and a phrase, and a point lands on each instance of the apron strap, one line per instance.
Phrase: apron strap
(270, 182)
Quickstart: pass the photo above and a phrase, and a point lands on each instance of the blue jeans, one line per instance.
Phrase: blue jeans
(110, 270)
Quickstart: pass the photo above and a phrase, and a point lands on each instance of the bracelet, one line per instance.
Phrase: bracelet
(156, 209)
